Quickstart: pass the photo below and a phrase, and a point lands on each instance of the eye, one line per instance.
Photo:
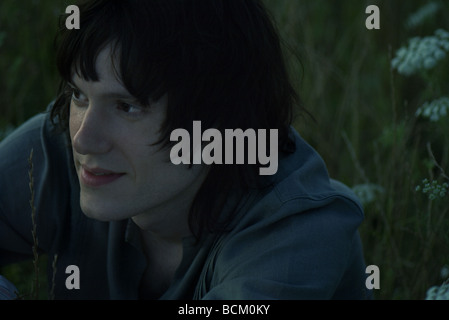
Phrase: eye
(78, 98)
(76, 95)
(131, 110)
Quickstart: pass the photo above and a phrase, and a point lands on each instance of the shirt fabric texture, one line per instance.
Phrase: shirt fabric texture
(297, 240)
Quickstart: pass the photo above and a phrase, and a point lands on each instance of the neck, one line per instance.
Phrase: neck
(164, 225)
(170, 220)
(163, 259)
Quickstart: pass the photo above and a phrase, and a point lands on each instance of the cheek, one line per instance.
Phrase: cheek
(74, 121)
(153, 167)
(149, 162)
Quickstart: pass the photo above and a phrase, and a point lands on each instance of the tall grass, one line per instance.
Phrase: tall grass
(368, 133)
(367, 128)
(28, 83)
(28, 72)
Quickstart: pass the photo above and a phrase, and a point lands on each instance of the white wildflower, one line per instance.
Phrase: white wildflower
(433, 189)
(444, 273)
(443, 34)
(421, 53)
(422, 14)
(438, 292)
(367, 192)
(434, 110)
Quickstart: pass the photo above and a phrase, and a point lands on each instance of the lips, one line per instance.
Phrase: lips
(96, 177)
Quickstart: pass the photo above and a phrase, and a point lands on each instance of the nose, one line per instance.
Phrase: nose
(89, 131)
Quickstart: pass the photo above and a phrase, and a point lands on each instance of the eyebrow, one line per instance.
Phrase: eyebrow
(113, 94)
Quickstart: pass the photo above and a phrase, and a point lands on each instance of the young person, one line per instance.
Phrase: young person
(109, 198)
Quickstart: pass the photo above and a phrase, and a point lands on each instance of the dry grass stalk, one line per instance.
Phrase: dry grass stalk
(34, 228)
(53, 278)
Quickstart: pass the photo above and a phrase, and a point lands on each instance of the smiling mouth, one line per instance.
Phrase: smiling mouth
(101, 174)
(97, 177)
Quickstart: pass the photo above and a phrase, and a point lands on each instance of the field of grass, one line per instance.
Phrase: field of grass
(367, 129)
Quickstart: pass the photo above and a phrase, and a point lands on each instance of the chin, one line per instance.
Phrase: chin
(101, 213)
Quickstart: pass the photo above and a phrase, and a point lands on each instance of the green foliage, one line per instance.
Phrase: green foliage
(22, 275)
(376, 127)
(28, 72)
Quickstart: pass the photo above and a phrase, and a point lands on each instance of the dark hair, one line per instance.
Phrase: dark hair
(218, 61)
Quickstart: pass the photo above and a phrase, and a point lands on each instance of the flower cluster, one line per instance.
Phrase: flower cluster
(434, 110)
(438, 292)
(444, 272)
(433, 189)
(424, 13)
(367, 192)
(421, 53)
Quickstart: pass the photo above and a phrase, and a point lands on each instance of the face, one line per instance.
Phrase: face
(121, 174)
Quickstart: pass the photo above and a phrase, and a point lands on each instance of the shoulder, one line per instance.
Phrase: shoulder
(301, 185)
(37, 133)
(295, 240)
(36, 140)
(35, 151)
(26, 134)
